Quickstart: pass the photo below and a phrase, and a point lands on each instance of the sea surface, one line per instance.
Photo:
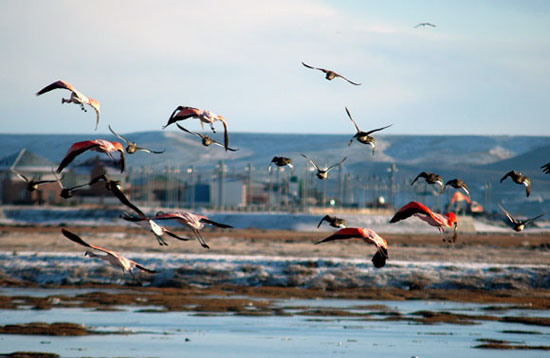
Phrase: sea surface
(188, 334)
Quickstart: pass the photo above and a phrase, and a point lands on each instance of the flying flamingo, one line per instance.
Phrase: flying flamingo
(205, 116)
(369, 237)
(281, 162)
(132, 147)
(333, 221)
(442, 222)
(153, 227)
(32, 184)
(457, 184)
(518, 225)
(206, 140)
(193, 221)
(364, 137)
(98, 145)
(76, 97)
(114, 258)
(519, 178)
(323, 173)
(330, 75)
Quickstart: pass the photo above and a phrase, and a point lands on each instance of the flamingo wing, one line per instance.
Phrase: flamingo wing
(344, 234)
(378, 129)
(225, 134)
(56, 85)
(75, 238)
(171, 234)
(75, 150)
(410, 209)
(124, 200)
(182, 113)
(138, 266)
(211, 222)
(337, 164)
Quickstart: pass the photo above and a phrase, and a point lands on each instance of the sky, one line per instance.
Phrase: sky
(484, 68)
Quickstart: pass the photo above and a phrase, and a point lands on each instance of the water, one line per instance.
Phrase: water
(177, 334)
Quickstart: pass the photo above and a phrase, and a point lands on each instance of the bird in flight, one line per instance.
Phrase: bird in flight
(206, 140)
(98, 145)
(424, 24)
(334, 222)
(442, 222)
(546, 168)
(32, 184)
(66, 193)
(364, 137)
(368, 236)
(76, 97)
(132, 147)
(457, 184)
(518, 225)
(114, 187)
(281, 162)
(431, 178)
(330, 75)
(322, 173)
(193, 221)
(519, 178)
(114, 258)
(153, 227)
(205, 116)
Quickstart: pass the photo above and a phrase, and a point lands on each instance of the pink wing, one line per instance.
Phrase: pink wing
(75, 150)
(182, 113)
(412, 208)
(56, 85)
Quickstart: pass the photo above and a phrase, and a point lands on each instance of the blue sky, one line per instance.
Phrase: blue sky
(485, 68)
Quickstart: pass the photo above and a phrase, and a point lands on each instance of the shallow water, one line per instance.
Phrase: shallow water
(176, 334)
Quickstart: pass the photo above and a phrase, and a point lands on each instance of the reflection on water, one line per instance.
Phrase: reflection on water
(176, 334)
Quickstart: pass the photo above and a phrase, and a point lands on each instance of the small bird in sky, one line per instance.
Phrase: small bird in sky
(334, 222)
(66, 193)
(76, 97)
(322, 173)
(205, 116)
(32, 184)
(330, 75)
(457, 184)
(132, 147)
(519, 178)
(518, 225)
(206, 140)
(98, 145)
(431, 178)
(424, 24)
(114, 258)
(114, 187)
(364, 137)
(368, 236)
(281, 162)
(442, 222)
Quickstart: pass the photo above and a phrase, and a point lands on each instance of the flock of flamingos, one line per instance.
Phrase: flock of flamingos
(196, 222)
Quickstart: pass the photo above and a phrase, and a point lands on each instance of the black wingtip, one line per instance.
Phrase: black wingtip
(379, 259)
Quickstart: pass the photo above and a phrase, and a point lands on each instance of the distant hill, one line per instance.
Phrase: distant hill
(476, 159)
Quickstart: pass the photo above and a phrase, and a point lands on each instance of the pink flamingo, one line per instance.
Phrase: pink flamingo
(76, 97)
(442, 222)
(204, 115)
(193, 221)
(153, 227)
(114, 258)
(369, 237)
(98, 145)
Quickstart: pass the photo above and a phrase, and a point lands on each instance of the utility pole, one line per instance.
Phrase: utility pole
(221, 179)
